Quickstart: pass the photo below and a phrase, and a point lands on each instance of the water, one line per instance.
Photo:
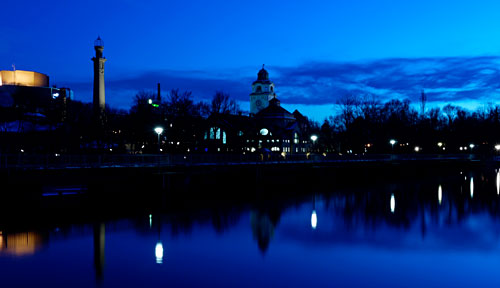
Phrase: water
(435, 231)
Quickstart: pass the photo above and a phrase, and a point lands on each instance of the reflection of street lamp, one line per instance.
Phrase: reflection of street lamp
(159, 252)
(471, 187)
(158, 131)
(159, 245)
(392, 142)
(440, 194)
(314, 217)
(393, 203)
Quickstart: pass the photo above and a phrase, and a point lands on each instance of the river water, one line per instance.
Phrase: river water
(441, 230)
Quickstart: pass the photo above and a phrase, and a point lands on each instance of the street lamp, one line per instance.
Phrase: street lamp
(392, 142)
(314, 138)
(497, 147)
(158, 131)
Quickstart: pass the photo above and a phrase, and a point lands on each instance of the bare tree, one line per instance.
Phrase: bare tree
(349, 109)
(223, 104)
(451, 113)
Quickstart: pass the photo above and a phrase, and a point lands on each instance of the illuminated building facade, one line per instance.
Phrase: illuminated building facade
(29, 103)
(270, 128)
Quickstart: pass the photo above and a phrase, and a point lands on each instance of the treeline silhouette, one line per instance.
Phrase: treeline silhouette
(366, 125)
(361, 124)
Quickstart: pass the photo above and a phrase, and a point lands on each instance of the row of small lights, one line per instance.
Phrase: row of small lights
(440, 145)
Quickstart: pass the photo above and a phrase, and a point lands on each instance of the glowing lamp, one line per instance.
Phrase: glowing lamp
(158, 130)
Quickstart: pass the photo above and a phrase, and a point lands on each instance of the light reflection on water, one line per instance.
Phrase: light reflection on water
(360, 243)
(440, 194)
(471, 187)
(498, 181)
(393, 203)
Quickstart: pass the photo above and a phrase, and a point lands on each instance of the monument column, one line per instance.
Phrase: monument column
(99, 97)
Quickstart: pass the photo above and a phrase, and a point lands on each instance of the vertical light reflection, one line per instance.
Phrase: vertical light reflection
(150, 220)
(440, 194)
(393, 203)
(159, 252)
(498, 182)
(471, 187)
(314, 219)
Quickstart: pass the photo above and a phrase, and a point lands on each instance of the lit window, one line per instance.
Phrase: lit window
(223, 137)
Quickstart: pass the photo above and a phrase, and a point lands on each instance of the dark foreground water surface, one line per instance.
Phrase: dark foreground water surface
(436, 230)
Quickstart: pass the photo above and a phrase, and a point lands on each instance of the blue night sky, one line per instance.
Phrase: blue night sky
(315, 51)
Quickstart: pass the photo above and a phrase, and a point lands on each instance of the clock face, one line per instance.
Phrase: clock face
(258, 103)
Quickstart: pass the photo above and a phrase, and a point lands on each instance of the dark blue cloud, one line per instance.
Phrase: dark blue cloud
(445, 80)
(450, 79)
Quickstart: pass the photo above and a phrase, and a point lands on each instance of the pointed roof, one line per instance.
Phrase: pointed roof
(98, 42)
(275, 111)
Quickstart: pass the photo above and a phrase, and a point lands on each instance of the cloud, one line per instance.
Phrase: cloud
(445, 80)
(120, 91)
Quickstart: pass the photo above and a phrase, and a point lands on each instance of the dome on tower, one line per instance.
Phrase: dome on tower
(263, 77)
(263, 74)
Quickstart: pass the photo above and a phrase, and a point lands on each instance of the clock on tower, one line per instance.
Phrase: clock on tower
(262, 92)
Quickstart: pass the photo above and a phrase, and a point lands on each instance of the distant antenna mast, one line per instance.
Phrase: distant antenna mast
(423, 100)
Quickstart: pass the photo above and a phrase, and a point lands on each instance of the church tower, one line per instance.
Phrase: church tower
(262, 92)
(99, 98)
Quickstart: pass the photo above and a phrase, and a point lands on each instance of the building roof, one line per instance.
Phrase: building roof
(275, 111)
